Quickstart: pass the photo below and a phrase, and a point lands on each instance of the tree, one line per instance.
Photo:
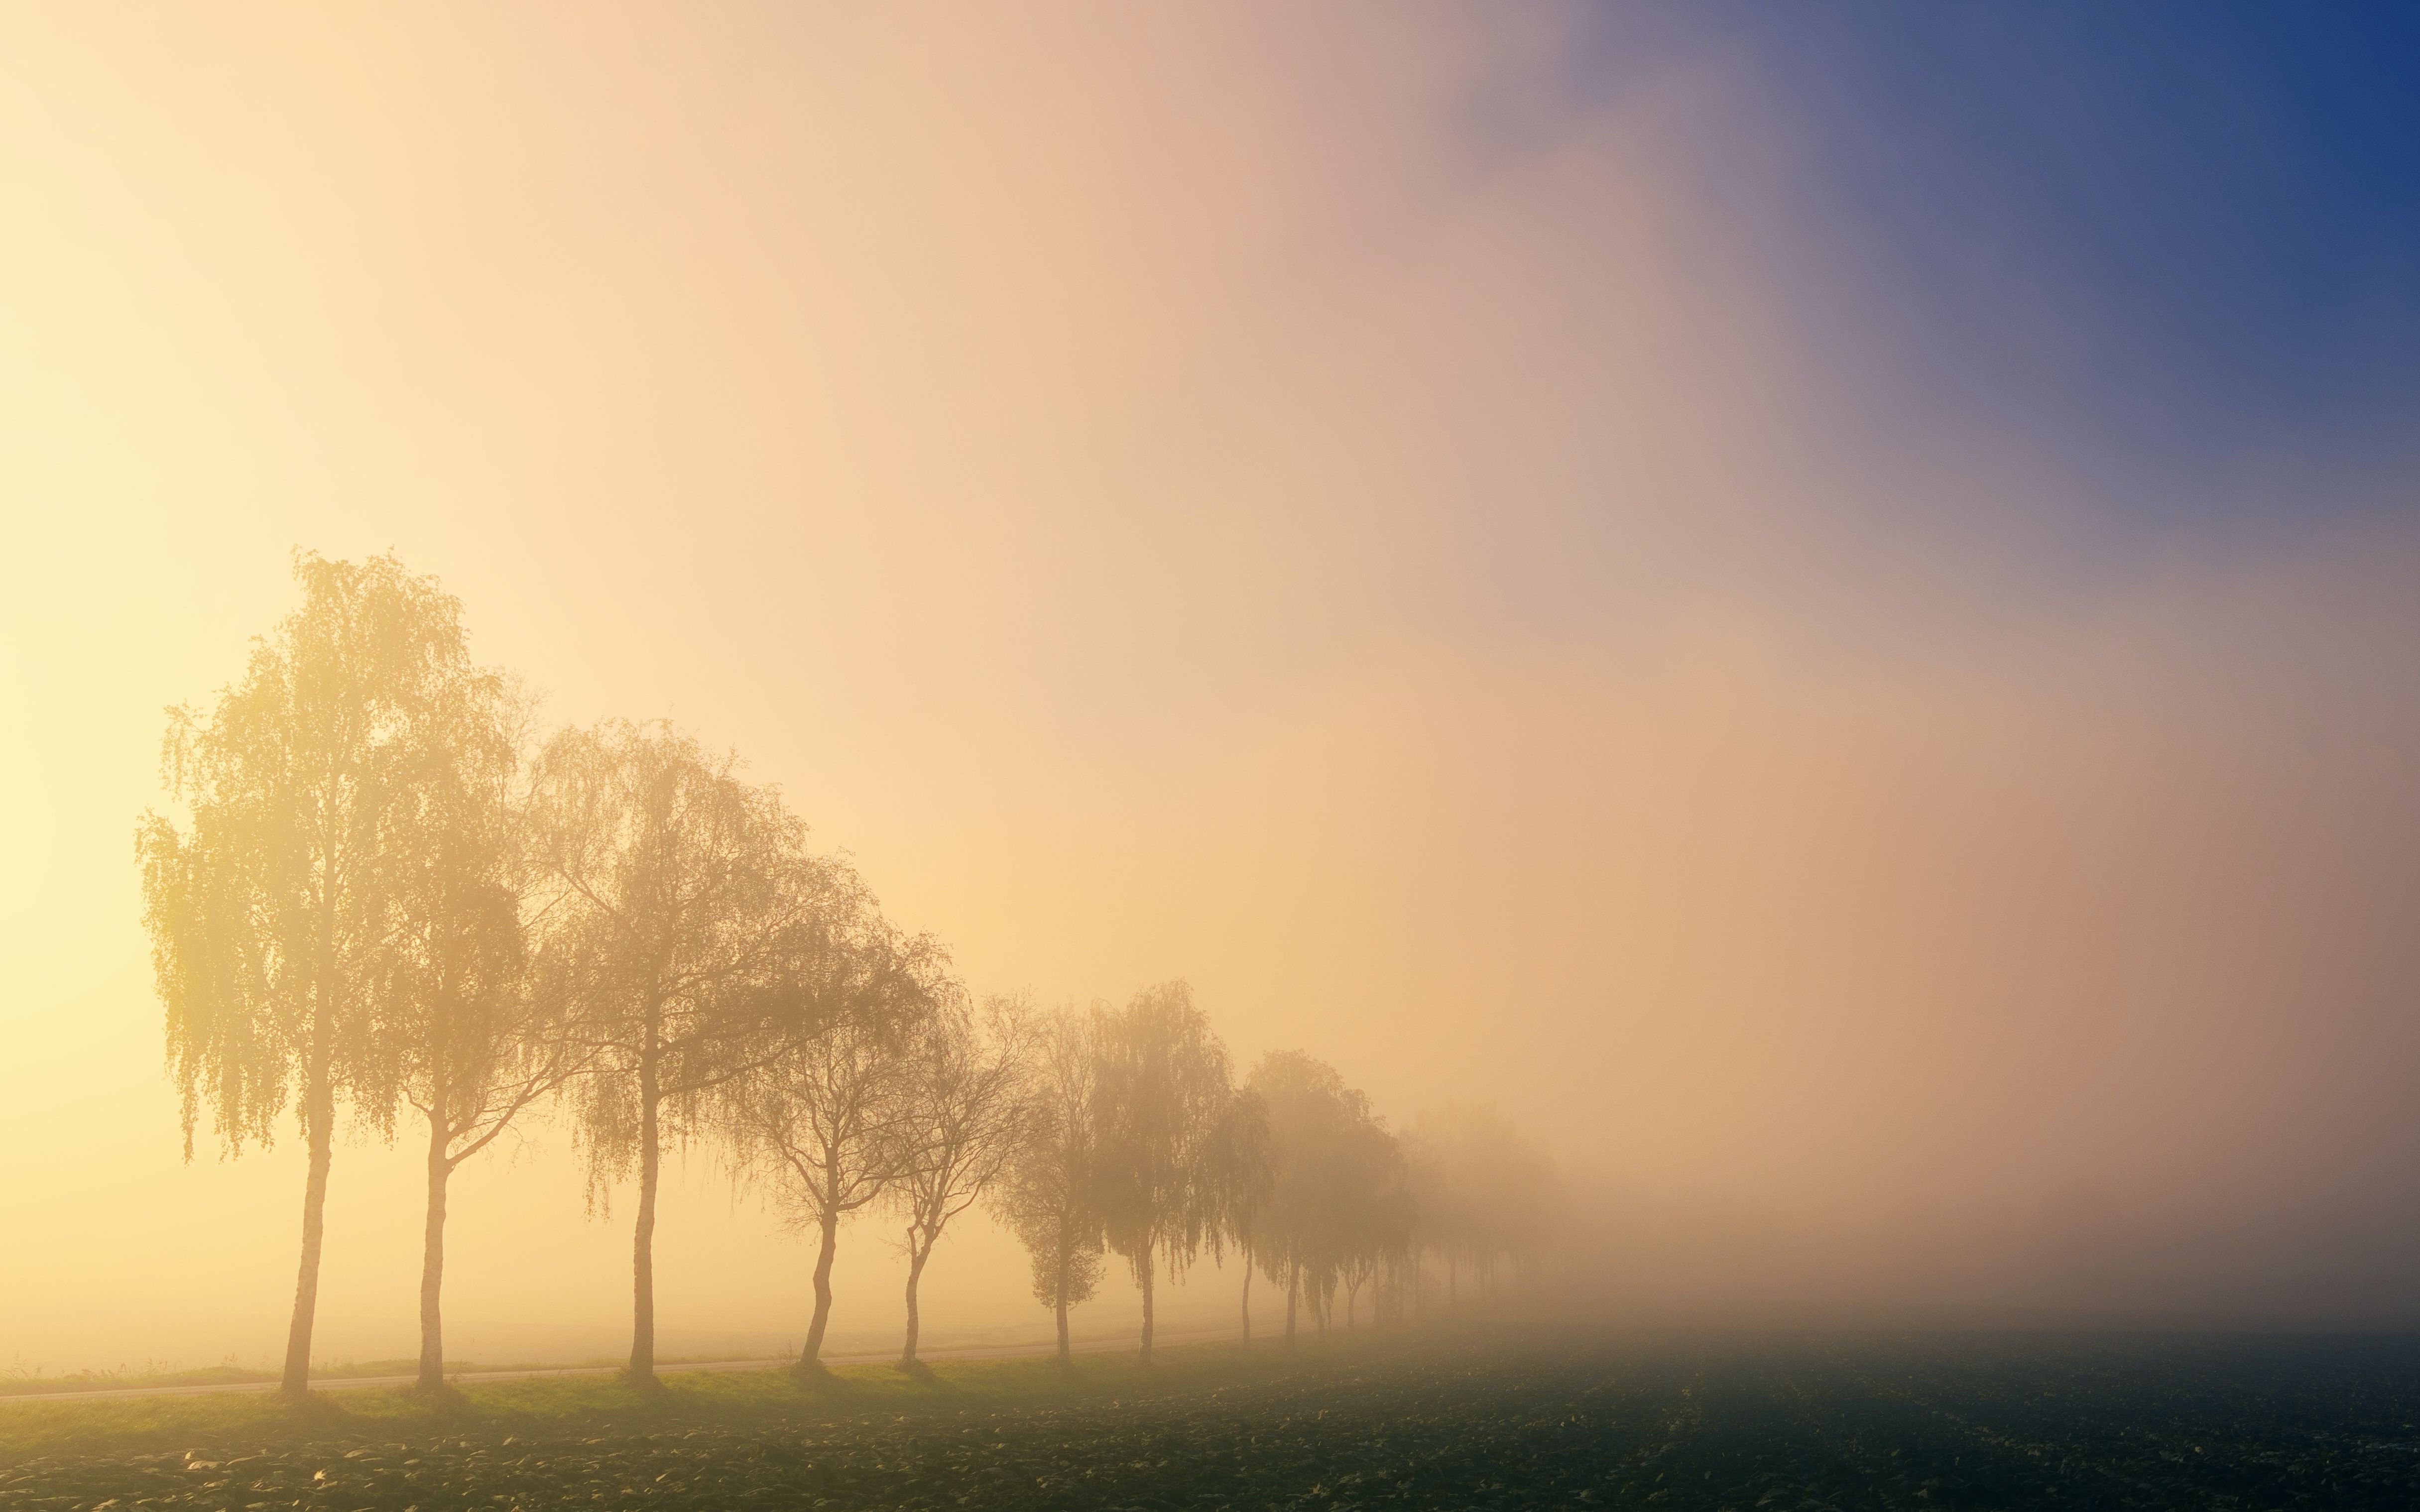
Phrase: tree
(827, 1122)
(967, 1111)
(1163, 1089)
(1050, 1196)
(1242, 1178)
(269, 912)
(687, 932)
(1337, 1198)
(1380, 1215)
(1485, 1190)
(461, 1036)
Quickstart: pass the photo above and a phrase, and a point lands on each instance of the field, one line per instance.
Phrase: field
(1775, 1425)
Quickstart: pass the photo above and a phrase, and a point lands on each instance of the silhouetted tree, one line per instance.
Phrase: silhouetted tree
(1242, 1178)
(1485, 1190)
(967, 1111)
(270, 913)
(1337, 1196)
(689, 933)
(1052, 1196)
(827, 1122)
(1163, 1089)
(461, 1035)
(1383, 1216)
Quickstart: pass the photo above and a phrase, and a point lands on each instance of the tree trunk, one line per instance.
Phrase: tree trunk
(1247, 1298)
(643, 1234)
(1320, 1301)
(318, 1118)
(916, 1258)
(319, 1115)
(1148, 1277)
(823, 1291)
(1294, 1295)
(432, 1256)
(1059, 1303)
(1352, 1300)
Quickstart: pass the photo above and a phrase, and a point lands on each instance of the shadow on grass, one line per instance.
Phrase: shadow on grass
(820, 1382)
(591, 1405)
(313, 1411)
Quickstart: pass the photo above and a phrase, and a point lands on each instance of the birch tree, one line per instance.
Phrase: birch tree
(468, 1040)
(1242, 1178)
(827, 1123)
(1337, 1199)
(270, 910)
(1486, 1191)
(1163, 1091)
(965, 1117)
(1051, 1196)
(690, 936)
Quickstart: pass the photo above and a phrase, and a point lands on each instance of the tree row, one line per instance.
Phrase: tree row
(391, 900)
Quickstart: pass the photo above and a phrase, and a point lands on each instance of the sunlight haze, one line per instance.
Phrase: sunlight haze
(1465, 556)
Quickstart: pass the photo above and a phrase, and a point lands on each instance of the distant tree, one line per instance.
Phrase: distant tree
(1444, 1227)
(1398, 1243)
(270, 912)
(827, 1124)
(1051, 1196)
(967, 1111)
(1337, 1194)
(462, 1038)
(1381, 1214)
(1242, 1179)
(1306, 1111)
(1486, 1191)
(689, 933)
(1163, 1090)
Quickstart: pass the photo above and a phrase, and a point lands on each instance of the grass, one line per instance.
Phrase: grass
(29, 1383)
(1444, 1421)
(36, 1383)
(216, 1423)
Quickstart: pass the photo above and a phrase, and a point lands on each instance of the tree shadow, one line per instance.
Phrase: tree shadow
(816, 1379)
(318, 1411)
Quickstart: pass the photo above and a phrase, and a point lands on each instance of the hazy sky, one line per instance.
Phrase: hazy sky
(1818, 601)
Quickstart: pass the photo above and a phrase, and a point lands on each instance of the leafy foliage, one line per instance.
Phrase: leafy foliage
(1162, 1092)
(1337, 1203)
(1484, 1190)
(967, 1113)
(695, 940)
(270, 911)
(1051, 1194)
(282, 917)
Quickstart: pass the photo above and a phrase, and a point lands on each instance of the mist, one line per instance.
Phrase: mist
(1472, 567)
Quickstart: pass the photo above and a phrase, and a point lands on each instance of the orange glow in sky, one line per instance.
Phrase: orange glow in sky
(1171, 498)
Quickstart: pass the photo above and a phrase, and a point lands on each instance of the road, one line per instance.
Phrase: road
(971, 1352)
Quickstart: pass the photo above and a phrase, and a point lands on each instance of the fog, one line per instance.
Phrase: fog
(1476, 576)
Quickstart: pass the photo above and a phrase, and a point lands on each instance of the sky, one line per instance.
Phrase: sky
(1815, 601)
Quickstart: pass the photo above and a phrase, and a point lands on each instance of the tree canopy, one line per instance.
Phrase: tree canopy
(382, 892)
(1163, 1089)
(311, 788)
